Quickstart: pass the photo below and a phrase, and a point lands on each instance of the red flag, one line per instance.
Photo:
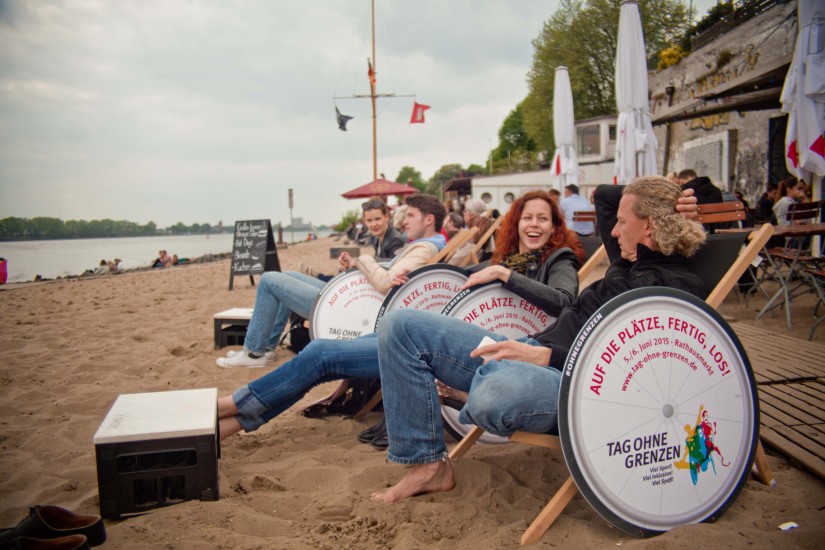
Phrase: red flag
(558, 165)
(371, 73)
(418, 113)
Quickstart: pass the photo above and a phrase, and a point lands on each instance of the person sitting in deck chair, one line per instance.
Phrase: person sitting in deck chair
(537, 259)
(279, 294)
(514, 384)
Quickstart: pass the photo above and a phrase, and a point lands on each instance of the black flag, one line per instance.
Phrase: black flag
(342, 120)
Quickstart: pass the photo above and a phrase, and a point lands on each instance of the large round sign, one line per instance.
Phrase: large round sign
(429, 288)
(345, 308)
(495, 308)
(658, 413)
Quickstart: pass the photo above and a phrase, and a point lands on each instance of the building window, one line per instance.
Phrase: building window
(487, 198)
(611, 132)
(588, 141)
(509, 197)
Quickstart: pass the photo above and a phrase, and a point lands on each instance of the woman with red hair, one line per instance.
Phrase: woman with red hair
(536, 256)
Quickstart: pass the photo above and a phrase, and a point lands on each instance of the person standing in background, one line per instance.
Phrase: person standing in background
(573, 202)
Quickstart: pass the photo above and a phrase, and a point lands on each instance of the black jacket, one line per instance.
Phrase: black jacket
(704, 190)
(650, 269)
(389, 245)
(551, 286)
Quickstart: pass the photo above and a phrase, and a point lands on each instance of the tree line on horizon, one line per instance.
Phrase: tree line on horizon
(53, 228)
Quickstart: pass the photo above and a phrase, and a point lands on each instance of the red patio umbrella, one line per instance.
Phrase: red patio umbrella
(380, 188)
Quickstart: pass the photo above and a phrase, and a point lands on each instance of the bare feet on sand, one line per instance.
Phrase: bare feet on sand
(425, 478)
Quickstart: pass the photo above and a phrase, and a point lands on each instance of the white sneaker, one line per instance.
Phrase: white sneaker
(270, 354)
(241, 359)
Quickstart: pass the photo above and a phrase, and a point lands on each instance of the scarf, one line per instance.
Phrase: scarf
(522, 262)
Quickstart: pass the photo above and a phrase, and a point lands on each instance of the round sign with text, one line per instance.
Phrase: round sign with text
(345, 308)
(498, 310)
(495, 308)
(658, 413)
(429, 288)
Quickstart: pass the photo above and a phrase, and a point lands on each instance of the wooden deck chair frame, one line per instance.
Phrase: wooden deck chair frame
(472, 258)
(455, 243)
(592, 262)
(568, 489)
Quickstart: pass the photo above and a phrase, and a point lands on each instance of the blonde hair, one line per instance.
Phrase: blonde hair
(656, 199)
(398, 216)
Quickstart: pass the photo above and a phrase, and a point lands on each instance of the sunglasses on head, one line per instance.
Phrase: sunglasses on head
(373, 204)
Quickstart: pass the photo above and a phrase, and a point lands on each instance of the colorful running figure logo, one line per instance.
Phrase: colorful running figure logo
(700, 446)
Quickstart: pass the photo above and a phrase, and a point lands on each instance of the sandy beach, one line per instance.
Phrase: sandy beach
(70, 347)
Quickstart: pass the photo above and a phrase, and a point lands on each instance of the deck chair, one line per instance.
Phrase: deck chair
(473, 257)
(587, 216)
(722, 281)
(453, 245)
(595, 253)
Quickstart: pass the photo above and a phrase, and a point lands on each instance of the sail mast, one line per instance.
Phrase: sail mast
(372, 95)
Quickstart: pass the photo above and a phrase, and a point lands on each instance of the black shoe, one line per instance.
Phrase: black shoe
(373, 431)
(381, 442)
(52, 522)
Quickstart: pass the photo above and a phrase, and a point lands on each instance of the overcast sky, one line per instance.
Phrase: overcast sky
(200, 111)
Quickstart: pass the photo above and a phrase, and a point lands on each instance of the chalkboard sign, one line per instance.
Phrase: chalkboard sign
(253, 250)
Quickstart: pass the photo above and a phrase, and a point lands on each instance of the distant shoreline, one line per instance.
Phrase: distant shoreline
(198, 260)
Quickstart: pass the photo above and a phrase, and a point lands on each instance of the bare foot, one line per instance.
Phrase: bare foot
(228, 426)
(424, 478)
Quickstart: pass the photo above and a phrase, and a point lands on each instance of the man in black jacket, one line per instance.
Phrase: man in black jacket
(704, 190)
(648, 245)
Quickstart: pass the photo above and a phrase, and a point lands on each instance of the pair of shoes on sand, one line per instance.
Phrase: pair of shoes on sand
(52, 527)
(245, 358)
(376, 435)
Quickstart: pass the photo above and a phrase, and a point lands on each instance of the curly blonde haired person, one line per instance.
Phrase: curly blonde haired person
(656, 199)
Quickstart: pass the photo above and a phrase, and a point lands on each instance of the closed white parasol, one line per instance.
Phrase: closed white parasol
(565, 167)
(635, 142)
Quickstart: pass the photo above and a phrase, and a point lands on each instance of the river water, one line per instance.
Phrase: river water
(59, 258)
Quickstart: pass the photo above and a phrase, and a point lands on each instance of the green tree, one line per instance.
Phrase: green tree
(582, 35)
(475, 170)
(48, 228)
(12, 227)
(442, 176)
(149, 229)
(350, 217)
(178, 229)
(408, 174)
(516, 150)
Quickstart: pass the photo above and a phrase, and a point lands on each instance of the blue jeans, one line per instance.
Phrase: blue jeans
(416, 347)
(278, 294)
(321, 361)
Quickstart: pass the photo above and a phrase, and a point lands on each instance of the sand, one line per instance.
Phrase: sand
(71, 347)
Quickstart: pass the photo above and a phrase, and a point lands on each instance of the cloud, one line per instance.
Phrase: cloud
(196, 111)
